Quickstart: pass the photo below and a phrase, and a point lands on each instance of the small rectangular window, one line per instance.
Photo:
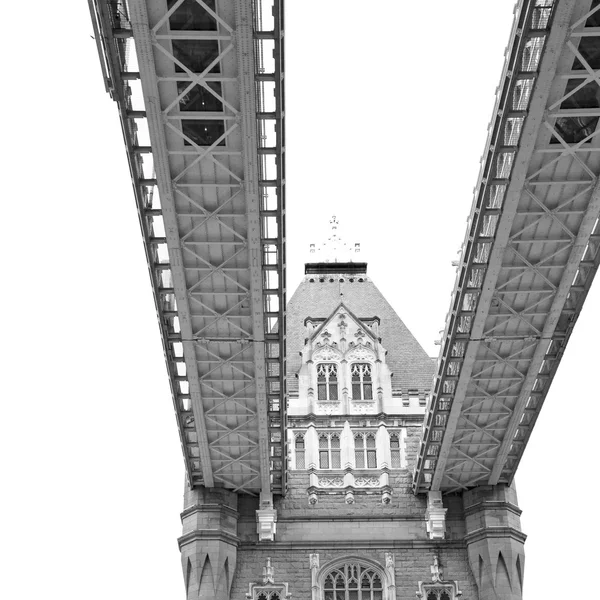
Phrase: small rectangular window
(329, 451)
(360, 460)
(323, 459)
(327, 382)
(299, 447)
(365, 453)
(336, 462)
(395, 451)
(371, 459)
(333, 391)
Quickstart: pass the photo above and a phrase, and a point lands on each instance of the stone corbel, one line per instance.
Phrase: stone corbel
(436, 516)
(266, 519)
(386, 495)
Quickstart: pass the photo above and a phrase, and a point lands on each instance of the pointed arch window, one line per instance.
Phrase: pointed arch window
(353, 582)
(300, 450)
(329, 451)
(362, 384)
(365, 451)
(327, 381)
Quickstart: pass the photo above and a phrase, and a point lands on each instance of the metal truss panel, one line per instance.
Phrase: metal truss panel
(210, 191)
(530, 253)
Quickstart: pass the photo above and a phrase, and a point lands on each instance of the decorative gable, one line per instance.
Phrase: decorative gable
(343, 365)
(344, 332)
(267, 589)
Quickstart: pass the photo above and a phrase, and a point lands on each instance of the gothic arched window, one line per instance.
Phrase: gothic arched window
(353, 581)
(365, 452)
(395, 450)
(268, 596)
(439, 595)
(300, 450)
(327, 381)
(362, 384)
(329, 451)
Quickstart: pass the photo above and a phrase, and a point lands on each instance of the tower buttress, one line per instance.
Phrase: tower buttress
(495, 541)
(209, 542)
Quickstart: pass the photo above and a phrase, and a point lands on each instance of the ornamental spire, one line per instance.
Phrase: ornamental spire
(334, 249)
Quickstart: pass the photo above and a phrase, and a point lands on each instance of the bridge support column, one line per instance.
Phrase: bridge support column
(495, 541)
(435, 516)
(266, 518)
(209, 542)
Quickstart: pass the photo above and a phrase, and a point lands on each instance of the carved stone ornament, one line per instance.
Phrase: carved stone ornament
(329, 408)
(390, 571)
(438, 589)
(267, 589)
(331, 481)
(327, 353)
(367, 482)
(362, 407)
(361, 353)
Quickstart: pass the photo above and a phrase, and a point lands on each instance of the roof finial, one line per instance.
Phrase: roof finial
(334, 249)
(268, 572)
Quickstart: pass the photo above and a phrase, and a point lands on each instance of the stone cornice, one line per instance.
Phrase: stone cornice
(190, 510)
(200, 535)
(347, 518)
(342, 546)
(322, 421)
(495, 532)
(492, 505)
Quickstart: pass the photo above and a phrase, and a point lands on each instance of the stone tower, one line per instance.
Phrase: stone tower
(349, 526)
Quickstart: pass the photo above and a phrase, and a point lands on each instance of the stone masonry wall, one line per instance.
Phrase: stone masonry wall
(292, 566)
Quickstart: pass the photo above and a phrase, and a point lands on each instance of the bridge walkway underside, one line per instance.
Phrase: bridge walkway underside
(199, 85)
(530, 253)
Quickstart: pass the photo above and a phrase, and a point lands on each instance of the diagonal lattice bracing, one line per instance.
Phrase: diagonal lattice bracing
(211, 215)
(530, 253)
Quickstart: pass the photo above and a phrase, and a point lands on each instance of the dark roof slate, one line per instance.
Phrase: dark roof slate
(412, 367)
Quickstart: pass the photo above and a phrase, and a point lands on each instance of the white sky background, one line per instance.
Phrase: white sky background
(387, 111)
